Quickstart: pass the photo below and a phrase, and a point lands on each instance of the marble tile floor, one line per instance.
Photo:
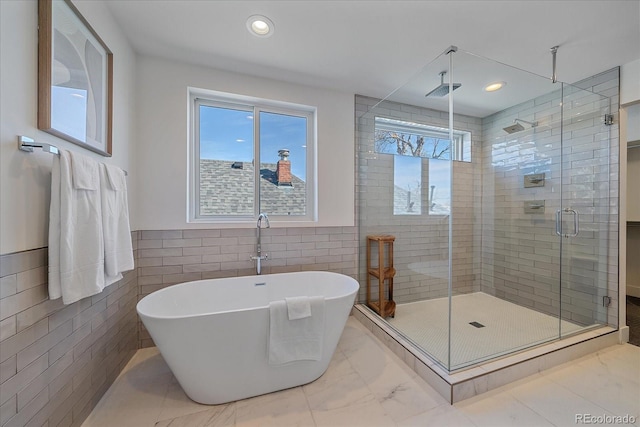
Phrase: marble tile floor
(367, 385)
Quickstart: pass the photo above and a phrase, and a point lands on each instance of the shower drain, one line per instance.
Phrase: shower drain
(476, 324)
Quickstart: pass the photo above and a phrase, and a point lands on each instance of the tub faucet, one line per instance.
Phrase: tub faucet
(259, 258)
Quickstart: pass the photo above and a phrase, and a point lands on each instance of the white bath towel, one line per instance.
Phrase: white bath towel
(85, 172)
(300, 339)
(298, 307)
(80, 244)
(55, 290)
(118, 251)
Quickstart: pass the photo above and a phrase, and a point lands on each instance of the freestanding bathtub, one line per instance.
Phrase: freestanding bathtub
(214, 334)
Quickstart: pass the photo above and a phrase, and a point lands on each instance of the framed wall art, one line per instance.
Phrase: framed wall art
(75, 78)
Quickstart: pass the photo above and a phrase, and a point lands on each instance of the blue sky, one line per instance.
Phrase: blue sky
(227, 134)
(407, 172)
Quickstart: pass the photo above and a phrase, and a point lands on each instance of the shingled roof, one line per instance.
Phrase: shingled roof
(226, 188)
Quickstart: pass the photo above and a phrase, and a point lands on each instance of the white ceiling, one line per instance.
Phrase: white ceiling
(373, 47)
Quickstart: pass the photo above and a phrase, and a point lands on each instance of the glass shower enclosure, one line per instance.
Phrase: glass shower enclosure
(503, 205)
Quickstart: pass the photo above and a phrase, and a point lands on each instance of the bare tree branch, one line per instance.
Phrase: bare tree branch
(409, 144)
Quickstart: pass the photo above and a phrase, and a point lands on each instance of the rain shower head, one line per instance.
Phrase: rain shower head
(514, 128)
(517, 127)
(443, 89)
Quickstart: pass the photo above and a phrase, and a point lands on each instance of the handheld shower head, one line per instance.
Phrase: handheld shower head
(443, 89)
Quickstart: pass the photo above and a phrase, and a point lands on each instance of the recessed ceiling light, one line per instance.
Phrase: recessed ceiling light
(492, 87)
(260, 26)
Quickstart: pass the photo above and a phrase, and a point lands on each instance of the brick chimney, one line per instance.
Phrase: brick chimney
(283, 170)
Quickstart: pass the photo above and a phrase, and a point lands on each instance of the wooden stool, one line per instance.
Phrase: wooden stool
(384, 306)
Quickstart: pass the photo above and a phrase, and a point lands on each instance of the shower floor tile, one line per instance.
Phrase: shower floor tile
(482, 327)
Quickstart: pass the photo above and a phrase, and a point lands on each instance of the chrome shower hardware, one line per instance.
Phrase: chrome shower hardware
(554, 51)
(517, 127)
(443, 89)
(576, 222)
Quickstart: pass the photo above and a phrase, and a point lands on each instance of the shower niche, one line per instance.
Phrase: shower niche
(446, 165)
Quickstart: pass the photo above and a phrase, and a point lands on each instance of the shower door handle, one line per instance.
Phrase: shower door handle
(576, 222)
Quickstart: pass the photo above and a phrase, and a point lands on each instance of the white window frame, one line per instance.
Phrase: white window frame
(254, 106)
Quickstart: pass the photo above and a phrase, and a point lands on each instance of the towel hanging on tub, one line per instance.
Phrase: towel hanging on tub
(297, 339)
(298, 307)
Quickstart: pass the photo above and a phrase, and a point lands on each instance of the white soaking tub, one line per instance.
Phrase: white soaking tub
(214, 334)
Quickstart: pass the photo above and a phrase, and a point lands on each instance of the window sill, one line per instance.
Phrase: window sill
(251, 223)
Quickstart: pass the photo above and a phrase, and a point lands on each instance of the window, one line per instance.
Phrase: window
(417, 146)
(419, 140)
(407, 185)
(409, 197)
(439, 187)
(230, 136)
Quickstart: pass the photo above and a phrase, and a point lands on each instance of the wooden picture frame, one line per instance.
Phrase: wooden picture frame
(75, 78)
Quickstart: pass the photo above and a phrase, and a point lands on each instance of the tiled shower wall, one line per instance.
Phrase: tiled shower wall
(175, 256)
(520, 257)
(57, 361)
(421, 248)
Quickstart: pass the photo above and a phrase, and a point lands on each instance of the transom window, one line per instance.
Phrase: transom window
(230, 136)
(419, 140)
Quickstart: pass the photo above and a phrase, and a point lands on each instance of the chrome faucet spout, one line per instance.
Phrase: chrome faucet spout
(260, 218)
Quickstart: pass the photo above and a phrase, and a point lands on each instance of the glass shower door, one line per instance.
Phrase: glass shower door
(505, 219)
(588, 243)
(404, 158)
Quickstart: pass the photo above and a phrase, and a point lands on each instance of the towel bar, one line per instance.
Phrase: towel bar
(28, 144)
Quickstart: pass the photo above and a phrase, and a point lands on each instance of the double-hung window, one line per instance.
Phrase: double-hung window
(249, 156)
